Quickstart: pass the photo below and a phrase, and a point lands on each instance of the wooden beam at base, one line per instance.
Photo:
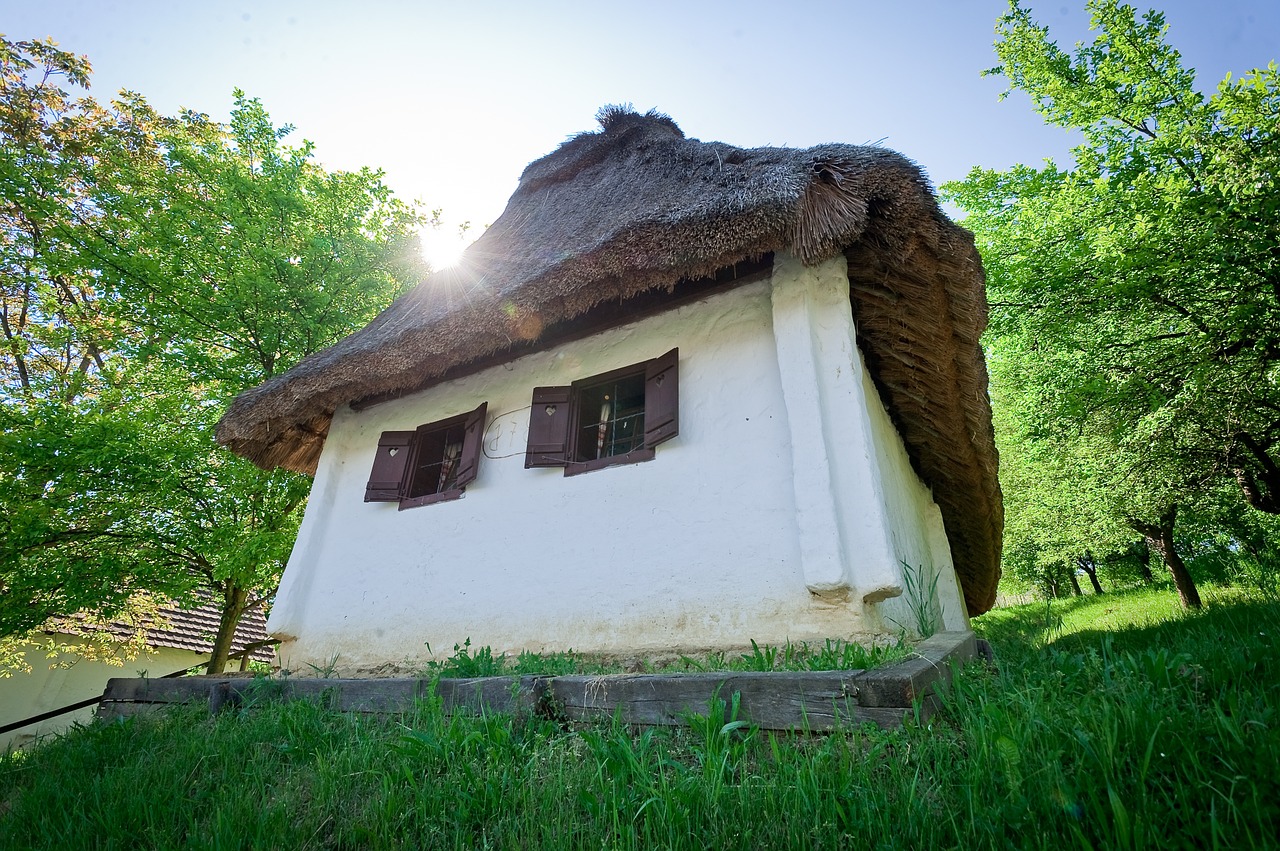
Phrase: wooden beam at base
(772, 701)
(775, 700)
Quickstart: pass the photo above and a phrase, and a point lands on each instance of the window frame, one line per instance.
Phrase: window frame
(572, 465)
(554, 442)
(397, 475)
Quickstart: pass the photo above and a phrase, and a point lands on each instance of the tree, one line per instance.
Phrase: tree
(67, 434)
(1088, 488)
(241, 258)
(1139, 290)
(207, 259)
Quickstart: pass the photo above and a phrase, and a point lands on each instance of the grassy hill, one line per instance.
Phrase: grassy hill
(1109, 722)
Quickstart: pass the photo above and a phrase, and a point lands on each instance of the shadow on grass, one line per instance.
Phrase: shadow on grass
(1232, 637)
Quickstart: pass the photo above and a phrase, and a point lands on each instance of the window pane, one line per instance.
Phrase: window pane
(610, 418)
(437, 463)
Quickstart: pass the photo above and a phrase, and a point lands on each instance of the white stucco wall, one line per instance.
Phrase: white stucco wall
(717, 541)
(917, 536)
(45, 688)
(857, 495)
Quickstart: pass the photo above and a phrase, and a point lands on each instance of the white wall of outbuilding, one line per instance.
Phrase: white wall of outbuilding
(784, 510)
(68, 679)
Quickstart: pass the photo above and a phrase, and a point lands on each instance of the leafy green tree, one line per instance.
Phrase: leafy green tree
(242, 257)
(1140, 288)
(67, 432)
(1078, 496)
(275, 257)
(1058, 498)
(48, 310)
(159, 267)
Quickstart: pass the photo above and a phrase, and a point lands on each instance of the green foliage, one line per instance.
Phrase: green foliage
(1135, 322)
(920, 593)
(468, 663)
(273, 256)
(1131, 723)
(150, 269)
(835, 654)
(61, 519)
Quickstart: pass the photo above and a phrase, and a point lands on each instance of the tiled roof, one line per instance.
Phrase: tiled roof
(195, 629)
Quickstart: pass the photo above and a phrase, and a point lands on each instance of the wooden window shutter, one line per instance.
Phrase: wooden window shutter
(661, 399)
(389, 465)
(472, 441)
(548, 428)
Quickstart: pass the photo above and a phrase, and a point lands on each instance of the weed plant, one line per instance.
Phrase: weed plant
(1108, 722)
(831, 655)
(920, 593)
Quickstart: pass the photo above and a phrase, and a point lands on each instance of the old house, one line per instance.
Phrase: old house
(679, 396)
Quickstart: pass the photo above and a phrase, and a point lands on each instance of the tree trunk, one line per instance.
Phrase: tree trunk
(235, 599)
(1187, 592)
(1144, 561)
(1075, 584)
(1259, 476)
(1160, 538)
(1090, 568)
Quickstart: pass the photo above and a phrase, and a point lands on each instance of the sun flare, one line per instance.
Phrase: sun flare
(442, 246)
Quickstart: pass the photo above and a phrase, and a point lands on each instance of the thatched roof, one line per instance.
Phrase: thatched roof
(637, 207)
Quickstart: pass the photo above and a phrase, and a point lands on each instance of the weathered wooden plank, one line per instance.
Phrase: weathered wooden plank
(389, 696)
(111, 710)
(479, 695)
(899, 685)
(818, 700)
(319, 691)
(945, 646)
(808, 700)
(164, 690)
(223, 696)
(341, 693)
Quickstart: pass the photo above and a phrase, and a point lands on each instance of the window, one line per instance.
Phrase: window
(617, 417)
(433, 463)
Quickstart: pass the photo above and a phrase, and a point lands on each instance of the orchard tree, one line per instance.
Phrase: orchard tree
(154, 268)
(1141, 287)
(1080, 495)
(1059, 496)
(240, 257)
(69, 433)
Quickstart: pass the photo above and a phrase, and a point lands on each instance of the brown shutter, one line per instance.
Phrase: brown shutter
(548, 428)
(661, 399)
(385, 482)
(472, 441)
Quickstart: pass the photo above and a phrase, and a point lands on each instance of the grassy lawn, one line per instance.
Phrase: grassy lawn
(1110, 722)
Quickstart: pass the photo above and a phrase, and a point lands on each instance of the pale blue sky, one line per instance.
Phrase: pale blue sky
(453, 99)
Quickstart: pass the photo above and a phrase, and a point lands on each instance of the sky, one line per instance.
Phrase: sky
(453, 99)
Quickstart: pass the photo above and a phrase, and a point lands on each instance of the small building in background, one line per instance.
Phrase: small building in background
(680, 396)
(177, 641)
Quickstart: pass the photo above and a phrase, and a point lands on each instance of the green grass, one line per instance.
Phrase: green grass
(831, 655)
(1110, 722)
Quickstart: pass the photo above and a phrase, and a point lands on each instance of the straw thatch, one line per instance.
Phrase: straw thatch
(638, 207)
